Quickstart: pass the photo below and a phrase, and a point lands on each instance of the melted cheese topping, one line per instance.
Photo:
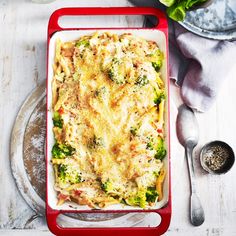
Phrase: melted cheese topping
(106, 99)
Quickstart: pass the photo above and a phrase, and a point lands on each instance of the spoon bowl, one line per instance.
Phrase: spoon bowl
(187, 127)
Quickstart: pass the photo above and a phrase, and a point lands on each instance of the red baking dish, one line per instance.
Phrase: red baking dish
(159, 34)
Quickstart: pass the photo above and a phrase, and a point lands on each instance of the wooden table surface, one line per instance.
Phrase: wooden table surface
(23, 27)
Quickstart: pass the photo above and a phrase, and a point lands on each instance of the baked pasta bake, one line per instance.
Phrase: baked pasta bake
(108, 117)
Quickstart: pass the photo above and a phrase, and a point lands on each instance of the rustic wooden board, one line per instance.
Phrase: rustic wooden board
(26, 153)
(28, 159)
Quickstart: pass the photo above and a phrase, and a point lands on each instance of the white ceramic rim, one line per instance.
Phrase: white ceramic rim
(69, 35)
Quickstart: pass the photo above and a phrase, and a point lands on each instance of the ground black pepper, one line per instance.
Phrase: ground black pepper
(216, 157)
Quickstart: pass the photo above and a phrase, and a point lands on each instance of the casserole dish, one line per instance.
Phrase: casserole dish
(158, 35)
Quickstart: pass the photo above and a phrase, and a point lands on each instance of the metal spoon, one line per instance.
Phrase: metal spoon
(187, 132)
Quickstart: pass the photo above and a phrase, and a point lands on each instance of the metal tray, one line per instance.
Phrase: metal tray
(217, 21)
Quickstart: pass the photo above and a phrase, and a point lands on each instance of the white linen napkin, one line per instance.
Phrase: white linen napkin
(197, 64)
(210, 62)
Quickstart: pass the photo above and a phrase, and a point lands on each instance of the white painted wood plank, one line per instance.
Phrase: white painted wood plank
(22, 67)
(216, 192)
(202, 231)
(25, 233)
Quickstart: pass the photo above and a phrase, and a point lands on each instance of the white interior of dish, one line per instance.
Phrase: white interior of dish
(148, 34)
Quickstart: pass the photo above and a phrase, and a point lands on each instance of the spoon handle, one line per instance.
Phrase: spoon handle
(189, 153)
(197, 216)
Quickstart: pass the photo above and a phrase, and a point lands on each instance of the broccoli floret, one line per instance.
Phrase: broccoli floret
(83, 42)
(151, 194)
(62, 172)
(60, 151)
(107, 186)
(68, 176)
(96, 142)
(157, 58)
(157, 65)
(142, 197)
(78, 179)
(142, 81)
(150, 144)
(57, 120)
(157, 145)
(115, 76)
(138, 200)
(160, 149)
(73, 178)
(115, 72)
(159, 96)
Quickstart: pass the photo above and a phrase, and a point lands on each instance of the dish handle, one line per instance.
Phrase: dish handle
(165, 214)
(53, 25)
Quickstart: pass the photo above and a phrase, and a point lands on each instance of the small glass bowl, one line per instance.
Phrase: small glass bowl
(209, 152)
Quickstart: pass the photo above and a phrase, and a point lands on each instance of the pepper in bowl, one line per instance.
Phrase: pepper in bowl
(217, 157)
